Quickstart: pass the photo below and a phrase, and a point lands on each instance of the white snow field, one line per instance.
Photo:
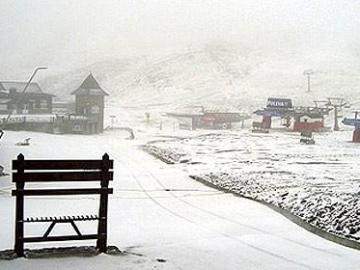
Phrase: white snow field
(318, 183)
(158, 212)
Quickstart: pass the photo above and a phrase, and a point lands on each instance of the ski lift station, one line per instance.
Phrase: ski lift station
(202, 118)
(295, 118)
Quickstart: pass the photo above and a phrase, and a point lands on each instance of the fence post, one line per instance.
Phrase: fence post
(19, 219)
(102, 227)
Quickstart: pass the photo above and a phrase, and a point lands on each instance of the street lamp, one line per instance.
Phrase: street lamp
(32, 77)
(21, 97)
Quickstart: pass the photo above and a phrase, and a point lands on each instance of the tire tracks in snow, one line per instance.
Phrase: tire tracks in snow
(172, 212)
(232, 220)
(163, 187)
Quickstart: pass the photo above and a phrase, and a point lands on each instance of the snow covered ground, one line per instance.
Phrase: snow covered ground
(318, 183)
(158, 212)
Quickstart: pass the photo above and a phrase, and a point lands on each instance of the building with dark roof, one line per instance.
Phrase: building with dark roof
(33, 101)
(9, 86)
(89, 103)
(89, 87)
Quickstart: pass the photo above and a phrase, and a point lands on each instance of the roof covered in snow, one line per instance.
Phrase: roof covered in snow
(6, 86)
(90, 87)
(4, 100)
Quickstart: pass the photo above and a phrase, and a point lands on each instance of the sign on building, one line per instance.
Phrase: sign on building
(279, 103)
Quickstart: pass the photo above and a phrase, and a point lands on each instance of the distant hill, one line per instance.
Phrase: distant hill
(216, 75)
(108, 73)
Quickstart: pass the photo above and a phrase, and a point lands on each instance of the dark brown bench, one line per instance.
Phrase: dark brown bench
(45, 171)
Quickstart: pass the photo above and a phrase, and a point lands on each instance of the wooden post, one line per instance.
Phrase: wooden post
(19, 225)
(102, 227)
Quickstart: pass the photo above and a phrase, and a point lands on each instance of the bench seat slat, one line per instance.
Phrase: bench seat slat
(51, 192)
(60, 219)
(61, 164)
(60, 176)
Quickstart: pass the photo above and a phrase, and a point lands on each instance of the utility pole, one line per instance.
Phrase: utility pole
(308, 73)
(337, 104)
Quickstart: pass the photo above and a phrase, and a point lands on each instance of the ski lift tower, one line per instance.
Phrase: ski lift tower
(308, 73)
(337, 104)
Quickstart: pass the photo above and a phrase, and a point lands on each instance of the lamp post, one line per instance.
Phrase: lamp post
(21, 97)
(32, 77)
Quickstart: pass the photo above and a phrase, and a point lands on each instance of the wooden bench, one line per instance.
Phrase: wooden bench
(45, 171)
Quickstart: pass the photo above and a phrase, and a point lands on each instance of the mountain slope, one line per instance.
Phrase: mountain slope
(216, 75)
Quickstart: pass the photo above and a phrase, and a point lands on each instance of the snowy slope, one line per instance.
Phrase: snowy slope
(230, 75)
(157, 212)
(109, 73)
(318, 183)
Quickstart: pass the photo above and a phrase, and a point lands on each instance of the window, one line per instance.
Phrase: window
(77, 128)
(95, 109)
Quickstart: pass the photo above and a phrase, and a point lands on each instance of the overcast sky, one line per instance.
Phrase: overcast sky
(60, 33)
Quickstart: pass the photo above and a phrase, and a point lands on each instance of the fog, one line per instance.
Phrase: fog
(192, 101)
(64, 34)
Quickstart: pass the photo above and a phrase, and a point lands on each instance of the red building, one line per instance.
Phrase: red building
(309, 118)
(307, 121)
(208, 119)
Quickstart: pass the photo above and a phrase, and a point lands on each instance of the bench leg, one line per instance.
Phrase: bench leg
(102, 235)
(102, 226)
(19, 238)
(19, 211)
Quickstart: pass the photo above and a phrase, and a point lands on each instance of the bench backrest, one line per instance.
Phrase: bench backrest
(61, 171)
